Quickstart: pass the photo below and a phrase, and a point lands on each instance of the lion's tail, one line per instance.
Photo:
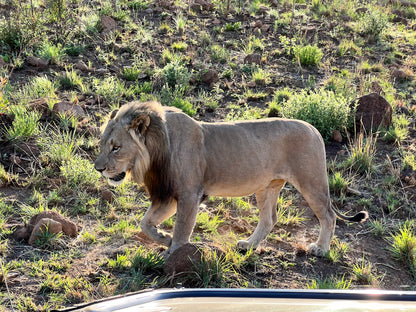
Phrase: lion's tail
(359, 217)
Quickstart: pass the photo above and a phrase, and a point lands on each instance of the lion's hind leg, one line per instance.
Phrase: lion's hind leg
(319, 202)
(266, 203)
(156, 214)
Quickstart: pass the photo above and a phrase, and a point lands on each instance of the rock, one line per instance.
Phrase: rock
(68, 227)
(68, 108)
(372, 112)
(108, 196)
(82, 66)
(399, 74)
(263, 9)
(21, 233)
(202, 5)
(264, 28)
(148, 11)
(253, 58)
(37, 62)
(210, 76)
(376, 88)
(108, 23)
(3, 63)
(362, 10)
(183, 259)
(53, 227)
(336, 136)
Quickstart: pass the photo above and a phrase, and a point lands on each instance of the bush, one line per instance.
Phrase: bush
(372, 24)
(308, 55)
(79, 172)
(325, 110)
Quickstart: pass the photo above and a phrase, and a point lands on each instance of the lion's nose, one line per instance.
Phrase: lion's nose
(99, 169)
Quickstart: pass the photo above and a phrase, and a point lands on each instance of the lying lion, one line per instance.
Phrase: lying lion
(181, 161)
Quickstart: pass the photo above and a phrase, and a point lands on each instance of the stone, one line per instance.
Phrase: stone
(53, 227)
(373, 111)
(108, 24)
(398, 74)
(21, 233)
(253, 58)
(68, 108)
(68, 227)
(37, 62)
(336, 136)
(82, 66)
(210, 76)
(3, 63)
(183, 259)
(108, 196)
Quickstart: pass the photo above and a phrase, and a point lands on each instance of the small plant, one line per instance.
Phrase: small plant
(71, 80)
(337, 251)
(372, 24)
(5, 177)
(219, 53)
(409, 161)
(330, 283)
(363, 273)
(25, 124)
(287, 214)
(179, 46)
(232, 26)
(146, 260)
(308, 55)
(79, 172)
(261, 77)
(378, 227)
(362, 153)
(338, 184)
(403, 247)
(52, 53)
(131, 73)
(111, 90)
(58, 147)
(398, 132)
(208, 223)
(138, 4)
(325, 110)
(180, 23)
(48, 240)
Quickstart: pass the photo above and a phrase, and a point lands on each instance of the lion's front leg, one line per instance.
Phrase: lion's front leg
(185, 221)
(157, 213)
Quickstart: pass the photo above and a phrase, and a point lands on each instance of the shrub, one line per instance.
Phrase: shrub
(79, 172)
(308, 55)
(372, 24)
(25, 124)
(325, 110)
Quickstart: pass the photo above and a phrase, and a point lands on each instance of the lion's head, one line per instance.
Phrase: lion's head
(135, 142)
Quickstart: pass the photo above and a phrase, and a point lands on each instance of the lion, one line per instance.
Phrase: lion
(181, 161)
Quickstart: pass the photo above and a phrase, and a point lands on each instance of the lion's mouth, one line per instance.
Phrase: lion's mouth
(118, 177)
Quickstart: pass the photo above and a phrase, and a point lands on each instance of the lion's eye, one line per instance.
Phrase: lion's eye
(116, 149)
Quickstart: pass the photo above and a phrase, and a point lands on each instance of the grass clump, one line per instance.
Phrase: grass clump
(330, 283)
(403, 247)
(325, 110)
(25, 124)
(79, 172)
(307, 55)
(362, 154)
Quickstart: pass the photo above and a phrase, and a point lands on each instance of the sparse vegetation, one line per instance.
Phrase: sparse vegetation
(293, 59)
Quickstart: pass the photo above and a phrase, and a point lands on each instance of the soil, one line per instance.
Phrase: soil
(282, 261)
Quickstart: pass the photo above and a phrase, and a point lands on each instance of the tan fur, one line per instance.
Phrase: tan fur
(181, 160)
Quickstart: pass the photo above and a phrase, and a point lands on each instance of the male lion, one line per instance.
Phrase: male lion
(181, 161)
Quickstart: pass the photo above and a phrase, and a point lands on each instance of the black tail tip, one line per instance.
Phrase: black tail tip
(360, 217)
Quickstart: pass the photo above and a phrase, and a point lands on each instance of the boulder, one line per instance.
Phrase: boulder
(68, 227)
(68, 108)
(373, 111)
(183, 259)
(52, 226)
(210, 76)
(37, 62)
(253, 58)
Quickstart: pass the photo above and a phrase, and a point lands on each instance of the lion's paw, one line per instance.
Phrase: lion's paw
(243, 245)
(315, 250)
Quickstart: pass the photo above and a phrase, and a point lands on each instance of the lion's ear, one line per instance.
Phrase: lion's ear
(113, 114)
(140, 124)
